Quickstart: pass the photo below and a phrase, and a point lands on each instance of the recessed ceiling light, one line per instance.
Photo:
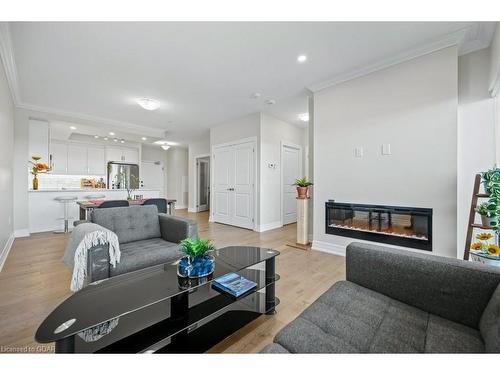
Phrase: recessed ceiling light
(115, 140)
(270, 101)
(105, 138)
(302, 58)
(255, 95)
(144, 138)
(96, 136)
(122, 141)
(111, 133)
(72, 127)
(148, 104)
(165, 147)
(304, 117)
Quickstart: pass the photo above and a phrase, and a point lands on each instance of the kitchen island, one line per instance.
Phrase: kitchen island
(45, 213)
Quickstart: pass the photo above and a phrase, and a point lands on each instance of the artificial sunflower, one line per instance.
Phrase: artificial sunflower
(476, 246)
(493, 250)
(484, 236)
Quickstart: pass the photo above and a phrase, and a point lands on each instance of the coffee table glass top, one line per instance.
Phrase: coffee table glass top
(103, 301)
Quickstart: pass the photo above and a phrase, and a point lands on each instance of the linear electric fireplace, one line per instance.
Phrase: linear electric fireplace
(401, 226)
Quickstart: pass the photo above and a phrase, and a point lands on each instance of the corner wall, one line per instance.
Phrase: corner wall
(6, 173)
(195, 149)
(177, 175)
(413, 107)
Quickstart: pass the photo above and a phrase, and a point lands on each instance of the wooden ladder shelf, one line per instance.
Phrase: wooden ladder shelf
(472, 215)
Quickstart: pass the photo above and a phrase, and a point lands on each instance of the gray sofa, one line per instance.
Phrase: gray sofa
(397, 301)
(146, 238)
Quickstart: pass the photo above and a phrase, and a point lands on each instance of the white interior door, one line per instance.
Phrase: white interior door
(223, 180)
(233, 195)
(292, 169)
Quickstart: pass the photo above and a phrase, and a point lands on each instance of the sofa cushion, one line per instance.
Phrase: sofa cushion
(274, 349)
(489, 324)
(146, 253)
(130, 224)
(349, 318)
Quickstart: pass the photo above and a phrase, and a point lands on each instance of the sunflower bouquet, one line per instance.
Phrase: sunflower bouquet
(483, 244)
(36, 168)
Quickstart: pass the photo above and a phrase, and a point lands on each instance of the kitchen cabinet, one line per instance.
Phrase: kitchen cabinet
(123, 154)
(77, 159)
(96, 161)
(59, 152)
(38, 140)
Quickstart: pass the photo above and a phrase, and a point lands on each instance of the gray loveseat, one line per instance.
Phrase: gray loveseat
(146, 238)
(397, 301)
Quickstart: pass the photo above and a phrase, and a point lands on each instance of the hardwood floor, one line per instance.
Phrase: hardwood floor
(34, 281)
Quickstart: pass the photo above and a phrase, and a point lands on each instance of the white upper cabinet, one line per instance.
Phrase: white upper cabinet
(96, 161)
(59, 152)
(122, 154)
(77, 159)
(39, 139)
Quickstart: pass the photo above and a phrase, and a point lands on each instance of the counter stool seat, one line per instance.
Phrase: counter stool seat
(65, 200)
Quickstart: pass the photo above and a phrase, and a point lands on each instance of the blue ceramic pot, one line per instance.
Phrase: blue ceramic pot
(197, 267)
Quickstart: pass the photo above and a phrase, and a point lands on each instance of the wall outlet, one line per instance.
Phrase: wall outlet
(386, 149)
(358, 152)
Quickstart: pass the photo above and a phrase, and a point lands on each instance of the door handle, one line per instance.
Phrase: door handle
(230, 189)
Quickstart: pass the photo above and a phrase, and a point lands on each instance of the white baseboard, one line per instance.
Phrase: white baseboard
(328, 247)
(6, 250)
(21, 233)
(183, 207)
(269, 226)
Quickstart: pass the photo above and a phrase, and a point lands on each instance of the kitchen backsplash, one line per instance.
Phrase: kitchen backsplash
(57, 181)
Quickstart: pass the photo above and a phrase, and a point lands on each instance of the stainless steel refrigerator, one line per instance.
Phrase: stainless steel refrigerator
(123, 175)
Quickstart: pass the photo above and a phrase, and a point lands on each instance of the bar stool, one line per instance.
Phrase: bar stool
(95, 196)
(65, 200)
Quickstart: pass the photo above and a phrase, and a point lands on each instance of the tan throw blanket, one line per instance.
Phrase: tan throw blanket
(84, 237)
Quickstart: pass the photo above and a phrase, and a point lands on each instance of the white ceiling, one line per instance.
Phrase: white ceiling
(202, 73)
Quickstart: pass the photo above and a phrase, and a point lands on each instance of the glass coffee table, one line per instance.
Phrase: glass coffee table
(153, 311)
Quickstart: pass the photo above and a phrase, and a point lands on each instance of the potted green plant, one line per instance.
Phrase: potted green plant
(491, 180)
(302, 185)
(198, 260)
(488, 211)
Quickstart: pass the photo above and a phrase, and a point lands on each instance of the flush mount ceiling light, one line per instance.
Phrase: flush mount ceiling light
(111, 133)
(122, 141)
(96, 136)
(270, 102)
(304, 117)
(144, 138)
(148, 104)
(72, 127)
(165, 147)
(255, 95)
(302, 58)
(165, 142)
(115, 140)
(105, 138)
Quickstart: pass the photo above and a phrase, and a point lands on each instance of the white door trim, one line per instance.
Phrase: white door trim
(301, 157)
(195, 168)
(255, 177)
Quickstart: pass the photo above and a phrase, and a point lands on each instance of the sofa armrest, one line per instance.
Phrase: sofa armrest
(451, 288)
(175, 229)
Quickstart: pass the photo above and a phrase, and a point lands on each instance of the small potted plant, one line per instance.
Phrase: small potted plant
(488, 212)
(302, 185)
(198, 260)
(491, 180)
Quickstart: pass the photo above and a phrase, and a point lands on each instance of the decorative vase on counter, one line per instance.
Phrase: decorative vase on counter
(35, 182)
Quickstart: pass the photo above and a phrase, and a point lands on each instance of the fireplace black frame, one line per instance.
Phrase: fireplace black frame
(379, 236)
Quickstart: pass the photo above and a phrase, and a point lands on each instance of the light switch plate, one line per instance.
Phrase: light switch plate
(386, 149)
(358, 152)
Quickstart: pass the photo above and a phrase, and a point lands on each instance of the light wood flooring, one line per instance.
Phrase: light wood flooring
(34, 281)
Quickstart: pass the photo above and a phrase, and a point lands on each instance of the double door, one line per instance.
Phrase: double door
(234, 188)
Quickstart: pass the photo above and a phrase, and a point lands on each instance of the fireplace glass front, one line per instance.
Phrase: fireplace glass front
(402, 226)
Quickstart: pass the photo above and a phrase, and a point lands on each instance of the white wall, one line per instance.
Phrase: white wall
(412, 106)
(273, 132)
(6, 176)
(195, 149)
(156, 153)
(177, 175)
(476, 132)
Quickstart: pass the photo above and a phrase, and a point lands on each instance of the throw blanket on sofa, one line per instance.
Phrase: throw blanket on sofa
(84, 237)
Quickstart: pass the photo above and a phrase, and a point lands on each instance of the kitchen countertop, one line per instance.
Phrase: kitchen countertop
(82, 190)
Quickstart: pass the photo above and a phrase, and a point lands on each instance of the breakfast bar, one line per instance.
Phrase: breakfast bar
(86, 206)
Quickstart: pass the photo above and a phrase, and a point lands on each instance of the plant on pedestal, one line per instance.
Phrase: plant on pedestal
(302, 185)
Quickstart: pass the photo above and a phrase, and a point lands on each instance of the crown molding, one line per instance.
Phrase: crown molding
(72, 116)
(9, 63)
(453, 39)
